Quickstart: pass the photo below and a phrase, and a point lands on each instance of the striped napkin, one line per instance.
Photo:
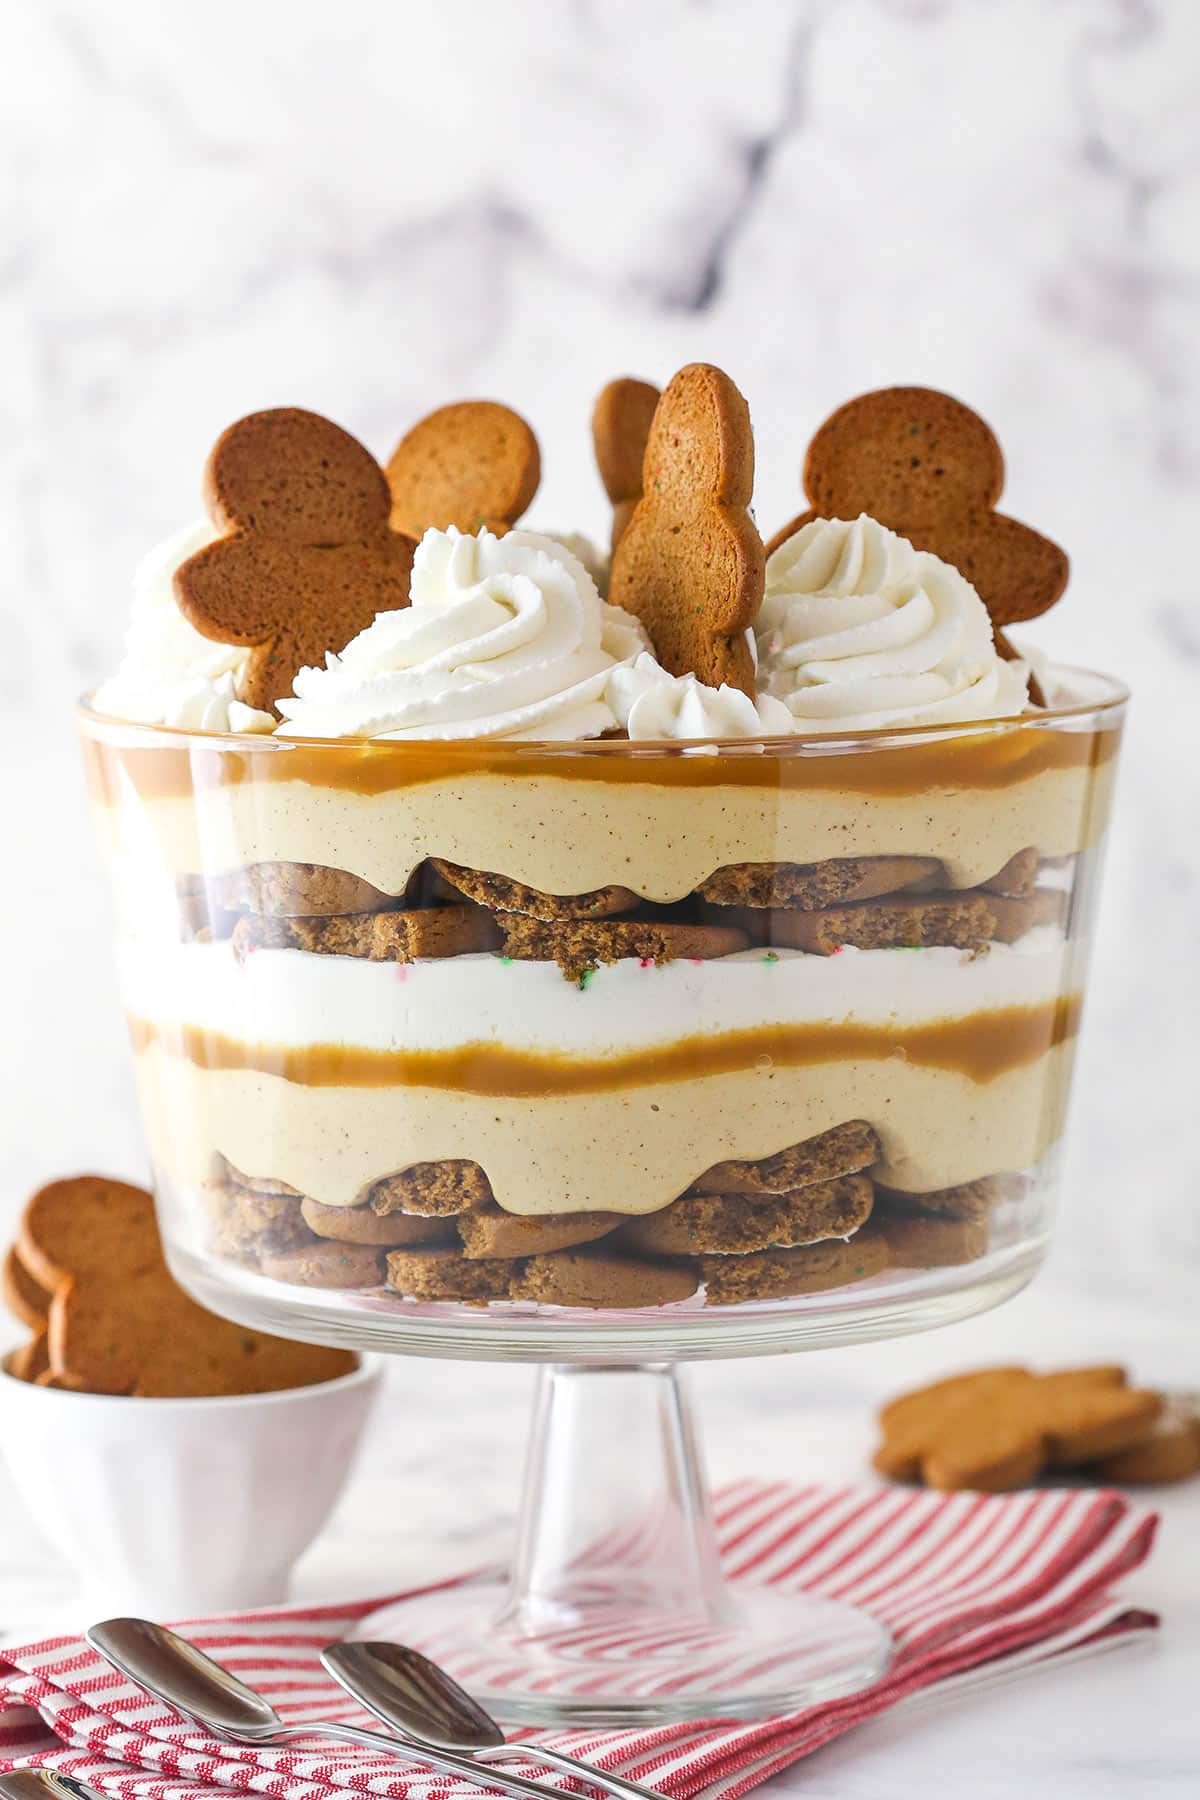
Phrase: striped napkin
(972, 1588)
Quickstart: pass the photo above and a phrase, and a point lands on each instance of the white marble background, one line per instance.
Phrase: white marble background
(369, 208)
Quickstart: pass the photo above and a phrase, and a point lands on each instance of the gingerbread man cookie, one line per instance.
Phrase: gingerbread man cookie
(474, 464)
(928, 467)
(119, 1323)
(690, 563)
(998, 1429)
(621, 421)
(306, 558)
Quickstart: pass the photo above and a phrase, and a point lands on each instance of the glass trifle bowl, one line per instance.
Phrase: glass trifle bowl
(605, 1055)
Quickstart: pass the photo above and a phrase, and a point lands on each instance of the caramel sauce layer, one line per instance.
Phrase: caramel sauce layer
(991, 759)
(980, 1047)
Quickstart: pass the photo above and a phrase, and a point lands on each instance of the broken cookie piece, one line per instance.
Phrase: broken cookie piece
(435, 931)
(735, 1224)
(579, 948)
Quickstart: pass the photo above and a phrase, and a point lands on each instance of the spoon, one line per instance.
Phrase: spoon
(174, 1671)
(429, 1709)
(45, 1784)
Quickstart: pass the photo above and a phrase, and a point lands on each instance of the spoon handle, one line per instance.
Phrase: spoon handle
(569, 1765)
(486, 1776)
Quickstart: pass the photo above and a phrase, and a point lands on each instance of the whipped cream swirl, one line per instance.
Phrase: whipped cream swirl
(858, 630)
(650, 703)
(170, 674)
(506, 637)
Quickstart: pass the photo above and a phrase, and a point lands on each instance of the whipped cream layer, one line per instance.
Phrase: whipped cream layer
(613, 1122)
(289, 997)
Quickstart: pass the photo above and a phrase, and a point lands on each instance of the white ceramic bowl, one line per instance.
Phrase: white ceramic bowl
(173, 1508)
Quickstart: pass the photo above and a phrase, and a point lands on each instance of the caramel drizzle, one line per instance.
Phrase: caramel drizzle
(992, 759)
(979, 1047)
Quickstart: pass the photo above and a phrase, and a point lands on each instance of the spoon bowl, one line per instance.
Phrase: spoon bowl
(406, 1690)
(426, 1706)
(195, 1685)
(44, 1784)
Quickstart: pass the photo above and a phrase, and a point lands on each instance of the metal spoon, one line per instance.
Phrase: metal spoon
(173, 1670)
(44, 1784)
(428, 1708)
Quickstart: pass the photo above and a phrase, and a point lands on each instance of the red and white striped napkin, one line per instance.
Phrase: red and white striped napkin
(972, 1588)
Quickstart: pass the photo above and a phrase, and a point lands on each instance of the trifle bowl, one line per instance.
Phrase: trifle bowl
(719, 1088)
(605, 983)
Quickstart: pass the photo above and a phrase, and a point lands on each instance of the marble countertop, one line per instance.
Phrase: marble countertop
(436, 1486)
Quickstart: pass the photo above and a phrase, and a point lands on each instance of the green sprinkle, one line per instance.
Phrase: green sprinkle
(506, 960)
(585, 980)
(770, 957)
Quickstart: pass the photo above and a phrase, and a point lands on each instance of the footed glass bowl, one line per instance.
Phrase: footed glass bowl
(610, 1054)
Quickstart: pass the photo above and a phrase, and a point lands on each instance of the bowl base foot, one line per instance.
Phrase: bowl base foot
(762, 1655)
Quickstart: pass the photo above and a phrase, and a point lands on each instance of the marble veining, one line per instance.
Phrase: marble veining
(368, 210)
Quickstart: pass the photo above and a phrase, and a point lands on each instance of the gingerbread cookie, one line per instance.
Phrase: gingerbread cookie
(447, 1274)
(306, 557)
(325, 1264)
(842, 1150)
(1014, 915)
(259, 1184)
(968, 1200)
(1016, 877)
(1171, 1452)
(780, 1274)
(590, 1278)
(578, 947)
(621, 421)
(474, 464)
(966, 921)
(810, 886)
(29, 1362)
(735, 1224)
(690, 563)
(997, 1429)
(24, 1296)
(119, 1323)
(929, 468)
(923, 1241)
(500, 894)
(360, 1225)
(437, 931)
(490, 1231)
(247, 1223)
(436, 1190)
(289, 889)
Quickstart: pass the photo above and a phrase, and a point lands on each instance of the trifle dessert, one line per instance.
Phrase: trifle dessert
(506, 925)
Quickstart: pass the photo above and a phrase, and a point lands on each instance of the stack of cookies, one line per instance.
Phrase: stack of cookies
(805, 1220)
(86, 1276)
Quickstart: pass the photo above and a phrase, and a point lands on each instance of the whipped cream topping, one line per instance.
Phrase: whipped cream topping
(596, 561)
(170, 674)
(506, 637)
(650, 703)
(858, 631)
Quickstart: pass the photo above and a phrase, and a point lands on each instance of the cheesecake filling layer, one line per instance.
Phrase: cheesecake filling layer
(626, 1149)
(657, 825)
